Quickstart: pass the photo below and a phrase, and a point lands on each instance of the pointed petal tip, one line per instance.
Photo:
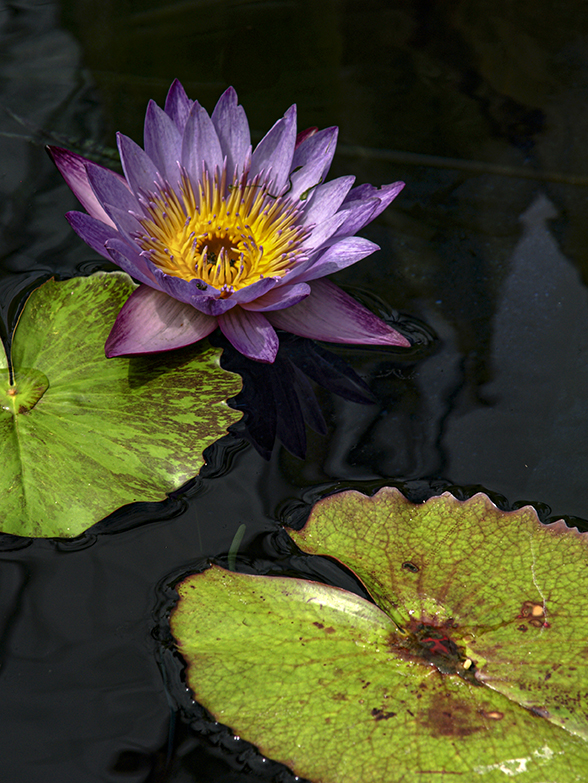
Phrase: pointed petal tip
(110, 350)
(114, 347)
(397, 339)
(387, 194)
(231, 94)
(54, 152)
(73, 169)
(69, 163)
(265, 357)
(332, 315)
(175, 87)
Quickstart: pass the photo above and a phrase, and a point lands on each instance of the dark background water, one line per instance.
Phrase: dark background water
(482, 108)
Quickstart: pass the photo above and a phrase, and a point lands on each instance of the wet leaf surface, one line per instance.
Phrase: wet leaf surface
(471, 663)
(82, 435)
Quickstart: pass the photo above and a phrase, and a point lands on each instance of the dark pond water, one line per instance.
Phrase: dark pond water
(482, 108)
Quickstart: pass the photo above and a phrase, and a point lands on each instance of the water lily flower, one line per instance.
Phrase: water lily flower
(219, 235)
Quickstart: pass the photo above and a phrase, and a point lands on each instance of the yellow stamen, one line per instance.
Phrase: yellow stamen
(226, 236)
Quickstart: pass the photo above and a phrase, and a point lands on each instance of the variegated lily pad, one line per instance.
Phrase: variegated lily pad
(471, 663)
(82, 435)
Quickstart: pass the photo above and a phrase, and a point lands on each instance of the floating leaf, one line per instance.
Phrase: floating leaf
(472, 663)
(82, 435)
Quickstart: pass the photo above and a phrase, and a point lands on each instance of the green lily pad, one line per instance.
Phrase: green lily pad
(471, 663)
(82, 435)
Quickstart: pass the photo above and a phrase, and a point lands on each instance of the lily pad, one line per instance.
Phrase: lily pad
(471, 662)
(82, 435)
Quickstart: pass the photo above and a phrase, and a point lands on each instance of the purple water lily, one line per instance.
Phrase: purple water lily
(219, 235)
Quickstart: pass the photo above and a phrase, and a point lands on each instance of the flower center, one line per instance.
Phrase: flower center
(227, 236)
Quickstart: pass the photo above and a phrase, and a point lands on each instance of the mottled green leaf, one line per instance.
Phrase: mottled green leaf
(82, 435)
(472, 665)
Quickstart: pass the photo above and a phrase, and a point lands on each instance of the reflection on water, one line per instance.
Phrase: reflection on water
(41, 82)
(491, 263)
(532, 410)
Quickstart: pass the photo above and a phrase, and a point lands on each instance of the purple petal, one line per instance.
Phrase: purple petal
(110, 190)
(386, 194)
(356, 205)
(73, 171)
(200, 144)
(131, 262)
(332, 315)
(323, 232)
(93, 231)
(163, 142)
(253, 291)
(140, 170)
(305, 134)
(151, 321)
(178, 105)
(356, 216)
(317, 144)
(275, 151)
(279, 298)
(232, 129)
(327, 199)
(213, 305)
(126, 224)
(251, 334)
(204, 298)
(344, 253)
(314, 155)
